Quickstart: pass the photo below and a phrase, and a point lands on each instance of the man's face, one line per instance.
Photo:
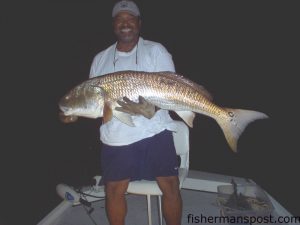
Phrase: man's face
(126, 27)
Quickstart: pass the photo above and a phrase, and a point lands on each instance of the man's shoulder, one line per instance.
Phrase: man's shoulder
(153, 45)
(104, 51)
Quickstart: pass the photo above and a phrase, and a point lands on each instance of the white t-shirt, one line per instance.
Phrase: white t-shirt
(146, 56)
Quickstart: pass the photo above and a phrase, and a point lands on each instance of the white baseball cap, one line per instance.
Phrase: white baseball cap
(126, 6)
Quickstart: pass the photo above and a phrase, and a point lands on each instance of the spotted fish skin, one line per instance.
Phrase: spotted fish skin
(98, 96)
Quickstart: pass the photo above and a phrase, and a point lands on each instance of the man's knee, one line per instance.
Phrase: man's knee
(116, 188)
(169, 185)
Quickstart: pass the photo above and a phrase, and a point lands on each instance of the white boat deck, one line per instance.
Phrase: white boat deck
(199, 194)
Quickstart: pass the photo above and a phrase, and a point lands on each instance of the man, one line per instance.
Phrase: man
(145, 151)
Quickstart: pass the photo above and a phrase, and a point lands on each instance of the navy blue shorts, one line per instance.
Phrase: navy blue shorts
(146, 159)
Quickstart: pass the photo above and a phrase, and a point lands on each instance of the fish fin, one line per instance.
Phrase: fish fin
(107, 112)
(123, 117)
(237, 121)
(187, 116)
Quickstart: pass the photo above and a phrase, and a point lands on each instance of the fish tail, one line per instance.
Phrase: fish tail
(235, 123)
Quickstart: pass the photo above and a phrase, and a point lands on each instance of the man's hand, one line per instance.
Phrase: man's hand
(141, 108)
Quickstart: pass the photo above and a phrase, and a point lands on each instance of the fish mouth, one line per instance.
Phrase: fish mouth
(67, 119)
(65, 110)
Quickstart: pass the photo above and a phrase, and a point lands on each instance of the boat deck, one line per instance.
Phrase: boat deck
(200, 206)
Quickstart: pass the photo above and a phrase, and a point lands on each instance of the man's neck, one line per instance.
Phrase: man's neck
(126, 47)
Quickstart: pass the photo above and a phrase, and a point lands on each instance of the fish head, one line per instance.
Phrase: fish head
(85, 100)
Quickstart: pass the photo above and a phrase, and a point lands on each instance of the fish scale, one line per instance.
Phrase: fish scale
(155, 89)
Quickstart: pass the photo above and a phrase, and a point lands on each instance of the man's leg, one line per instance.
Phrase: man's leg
(171, 199)
(115, 203)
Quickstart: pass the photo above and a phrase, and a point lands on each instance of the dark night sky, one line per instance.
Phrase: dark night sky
(243, 52)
